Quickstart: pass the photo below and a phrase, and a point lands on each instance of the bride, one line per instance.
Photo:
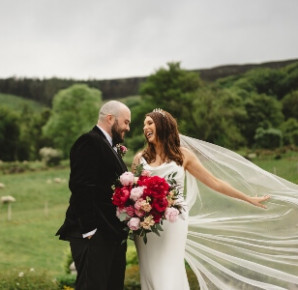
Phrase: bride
(228, 244)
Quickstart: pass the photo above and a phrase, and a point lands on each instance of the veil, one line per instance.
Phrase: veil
(232, 244)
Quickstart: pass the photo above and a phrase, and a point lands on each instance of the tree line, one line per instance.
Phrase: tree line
(43, 90)
(255, 109)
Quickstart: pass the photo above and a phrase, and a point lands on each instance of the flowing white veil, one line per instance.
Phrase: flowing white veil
(232, 244)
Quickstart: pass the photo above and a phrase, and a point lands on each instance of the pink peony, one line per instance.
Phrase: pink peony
(127, 179)
(139, 212)
(136, 192)
(134, 223)
(138, 203)
(171, 214)
(130, 210)
(146, 173)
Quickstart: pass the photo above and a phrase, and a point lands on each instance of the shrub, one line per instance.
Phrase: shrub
(131, 256)
(268, 138)
(66, 281)
(290, 131)
(27, 280)
(132, 278)
(50, 156)
(68, 261)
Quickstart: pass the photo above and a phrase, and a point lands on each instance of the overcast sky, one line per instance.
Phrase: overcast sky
(107, 39)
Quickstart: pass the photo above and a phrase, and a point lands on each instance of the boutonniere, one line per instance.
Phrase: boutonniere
(121, 150)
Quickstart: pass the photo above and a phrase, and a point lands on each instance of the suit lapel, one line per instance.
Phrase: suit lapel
(116, 155)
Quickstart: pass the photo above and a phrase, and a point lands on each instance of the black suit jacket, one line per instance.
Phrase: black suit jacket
(94, 168)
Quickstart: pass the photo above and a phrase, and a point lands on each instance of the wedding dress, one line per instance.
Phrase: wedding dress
(230, 244)
(161, 260)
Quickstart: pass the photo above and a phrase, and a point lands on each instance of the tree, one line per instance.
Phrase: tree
(262, 111)
(75, 109)
(290, 105)
(9, 134)
(218, 115)
(172, 89)
(265, 80)
(31, 137)
(289, 129)
(289, 82)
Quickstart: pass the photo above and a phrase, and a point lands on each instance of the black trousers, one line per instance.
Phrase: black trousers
(100, 262)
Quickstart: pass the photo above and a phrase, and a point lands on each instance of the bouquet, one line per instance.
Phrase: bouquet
(144, 201)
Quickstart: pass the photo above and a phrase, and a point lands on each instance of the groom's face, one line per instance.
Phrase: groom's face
(120, 127)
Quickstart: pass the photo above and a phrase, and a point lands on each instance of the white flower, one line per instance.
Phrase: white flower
(21, 274)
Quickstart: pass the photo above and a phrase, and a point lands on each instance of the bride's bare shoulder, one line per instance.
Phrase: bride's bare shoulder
(188, 156)
(185, 152)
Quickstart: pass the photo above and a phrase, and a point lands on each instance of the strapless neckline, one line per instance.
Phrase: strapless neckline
(157, 166)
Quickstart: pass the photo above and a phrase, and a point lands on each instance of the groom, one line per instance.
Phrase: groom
(91, 226)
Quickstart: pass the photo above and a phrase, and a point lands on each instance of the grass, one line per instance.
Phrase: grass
(285, 167)
(17, 103)
(28, 239)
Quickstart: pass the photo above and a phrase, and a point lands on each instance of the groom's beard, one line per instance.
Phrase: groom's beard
(116, 133)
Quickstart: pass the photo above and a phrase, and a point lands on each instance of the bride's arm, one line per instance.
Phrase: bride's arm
(192, 164)
(136, 161)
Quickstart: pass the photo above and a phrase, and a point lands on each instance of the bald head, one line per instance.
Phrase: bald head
(114, 108)
(114, 118)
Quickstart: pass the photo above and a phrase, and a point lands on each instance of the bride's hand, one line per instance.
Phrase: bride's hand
(256, 200)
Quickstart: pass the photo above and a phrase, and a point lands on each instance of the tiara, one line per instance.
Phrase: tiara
(159, 110)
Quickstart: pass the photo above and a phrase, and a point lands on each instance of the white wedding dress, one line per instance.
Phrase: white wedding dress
(161, 260)
(228, 243)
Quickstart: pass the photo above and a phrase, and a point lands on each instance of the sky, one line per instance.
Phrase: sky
(108, 39)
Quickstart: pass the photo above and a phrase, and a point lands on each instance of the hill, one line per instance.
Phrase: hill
(43, 90)
(18, 103)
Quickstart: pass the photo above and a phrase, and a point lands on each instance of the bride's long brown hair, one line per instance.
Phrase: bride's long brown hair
(167, 134)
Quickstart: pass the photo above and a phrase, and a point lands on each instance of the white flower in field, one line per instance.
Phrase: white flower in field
(57, 180)
(32, 270)
(49, 181)
(7, 199)
(2, 185)
(21, 274)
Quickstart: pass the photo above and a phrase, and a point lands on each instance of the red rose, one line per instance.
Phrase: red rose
(120, 196)
(160, 204)
(156, 187)
(142, 180)
(156, 216)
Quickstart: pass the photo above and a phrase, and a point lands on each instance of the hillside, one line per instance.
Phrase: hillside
(18, 103)
(43, 90)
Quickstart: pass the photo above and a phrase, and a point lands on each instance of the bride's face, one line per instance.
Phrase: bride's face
(150, 130)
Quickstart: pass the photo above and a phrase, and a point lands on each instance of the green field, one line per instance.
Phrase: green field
(18, 103)
(28, 239)
(285, 167)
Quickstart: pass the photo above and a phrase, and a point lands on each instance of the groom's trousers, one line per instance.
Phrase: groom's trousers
(100, 262)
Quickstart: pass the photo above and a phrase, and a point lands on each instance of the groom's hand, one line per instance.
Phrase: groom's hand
(89, 237)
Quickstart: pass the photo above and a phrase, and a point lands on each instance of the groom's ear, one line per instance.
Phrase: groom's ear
(110, 119)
